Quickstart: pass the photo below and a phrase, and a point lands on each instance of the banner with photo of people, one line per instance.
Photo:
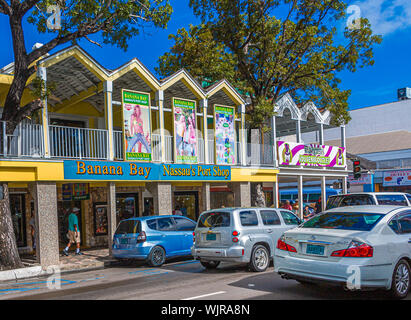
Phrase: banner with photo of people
(136, 125)
(185, 131)
(224, 124)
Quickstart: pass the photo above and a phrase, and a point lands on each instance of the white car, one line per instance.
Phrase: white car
(358, 247)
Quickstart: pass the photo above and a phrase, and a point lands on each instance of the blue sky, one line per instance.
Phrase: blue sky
(370, 86)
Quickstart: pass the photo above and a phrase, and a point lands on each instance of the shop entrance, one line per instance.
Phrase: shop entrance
(187, 202)
(63, 210)
(18, 217)
(126, 206)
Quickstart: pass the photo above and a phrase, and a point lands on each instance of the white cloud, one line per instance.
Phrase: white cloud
(386, 16)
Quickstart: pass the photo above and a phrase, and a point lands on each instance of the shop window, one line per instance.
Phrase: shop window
(126, 206)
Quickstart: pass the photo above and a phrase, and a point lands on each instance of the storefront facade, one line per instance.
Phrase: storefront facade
(121, 144)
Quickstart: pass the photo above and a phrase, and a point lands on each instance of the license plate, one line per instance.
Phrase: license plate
(123, 241)
(314, 249)
(211, 236)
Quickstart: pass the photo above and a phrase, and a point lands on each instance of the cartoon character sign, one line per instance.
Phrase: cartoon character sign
(287, 154)
(224, 135)
(137, 129)
(340, 157)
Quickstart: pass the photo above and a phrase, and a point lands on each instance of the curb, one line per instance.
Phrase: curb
(37, 271)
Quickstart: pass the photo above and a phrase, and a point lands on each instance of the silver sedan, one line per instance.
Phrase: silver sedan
(357, 247)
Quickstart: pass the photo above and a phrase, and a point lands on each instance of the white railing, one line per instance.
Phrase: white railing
(26, 141)
(78, 143)
(92, 144)
(260, 154)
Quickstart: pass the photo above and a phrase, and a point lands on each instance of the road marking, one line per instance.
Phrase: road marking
(205, 295)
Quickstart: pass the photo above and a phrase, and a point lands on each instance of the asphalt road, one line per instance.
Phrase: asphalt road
(176, 280)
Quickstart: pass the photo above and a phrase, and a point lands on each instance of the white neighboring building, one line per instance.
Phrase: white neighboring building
(380, 133)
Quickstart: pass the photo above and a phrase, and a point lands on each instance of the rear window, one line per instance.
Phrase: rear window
(356, 200)
(128, 226)
(333, 202)
(344, 221)
(214, 219)
(391, 199)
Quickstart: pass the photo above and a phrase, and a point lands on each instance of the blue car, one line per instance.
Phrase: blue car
(153, 238)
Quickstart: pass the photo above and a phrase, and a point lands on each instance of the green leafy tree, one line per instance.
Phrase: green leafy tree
(117, 21)
(269, 47)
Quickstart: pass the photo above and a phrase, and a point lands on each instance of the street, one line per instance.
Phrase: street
(176, 280)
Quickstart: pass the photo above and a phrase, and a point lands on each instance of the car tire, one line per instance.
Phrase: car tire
(400, 285)
(260, 259)
(157, 257)
(210, 264)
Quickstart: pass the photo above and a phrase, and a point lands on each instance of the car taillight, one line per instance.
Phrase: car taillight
(235, 239)
(236, 233)
(283, 246)
(142, 237)
(355, 250)
(194, 237)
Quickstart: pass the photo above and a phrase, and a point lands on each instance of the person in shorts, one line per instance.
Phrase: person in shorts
(73, 232)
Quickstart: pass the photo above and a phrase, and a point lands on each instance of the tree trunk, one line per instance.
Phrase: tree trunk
(9, 255)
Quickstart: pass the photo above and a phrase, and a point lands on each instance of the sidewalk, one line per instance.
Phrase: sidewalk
(91, 259)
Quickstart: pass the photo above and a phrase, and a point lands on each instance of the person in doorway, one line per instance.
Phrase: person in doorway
(32, 224)
(178, 212)
(73, 232)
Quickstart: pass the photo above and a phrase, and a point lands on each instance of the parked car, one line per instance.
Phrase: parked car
(153, 238)
(369, 198)
(244, 235)
(358, 247)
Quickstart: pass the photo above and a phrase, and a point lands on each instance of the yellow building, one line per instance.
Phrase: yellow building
(83, 151)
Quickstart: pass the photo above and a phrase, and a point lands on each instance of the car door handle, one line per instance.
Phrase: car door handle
(269, 230)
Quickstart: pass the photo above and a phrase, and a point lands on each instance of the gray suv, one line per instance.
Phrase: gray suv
(245, 235)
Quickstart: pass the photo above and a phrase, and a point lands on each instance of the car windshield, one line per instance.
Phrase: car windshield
(344, 221)
(128, 226)
(214, 219)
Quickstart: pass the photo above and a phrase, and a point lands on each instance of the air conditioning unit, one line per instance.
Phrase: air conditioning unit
(404, 93)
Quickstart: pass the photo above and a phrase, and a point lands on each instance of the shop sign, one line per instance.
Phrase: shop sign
(312, 155)
(365, 179)
(136, 125)
(224, 135)
(75, 191)
(395, 178)
(185, 131)
(101, 170)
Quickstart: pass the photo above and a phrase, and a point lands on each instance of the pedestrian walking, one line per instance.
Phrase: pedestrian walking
(73, 232)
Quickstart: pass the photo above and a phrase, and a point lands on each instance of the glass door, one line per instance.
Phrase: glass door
(18, 216)
(187, 203)
(126, 206)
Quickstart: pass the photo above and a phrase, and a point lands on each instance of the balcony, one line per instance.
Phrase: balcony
(27, 141)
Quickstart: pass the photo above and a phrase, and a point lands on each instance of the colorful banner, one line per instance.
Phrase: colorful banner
(185, 131)
(394, 178)
(138, 171)
(313, 155)
(136, 125)
(224, 134)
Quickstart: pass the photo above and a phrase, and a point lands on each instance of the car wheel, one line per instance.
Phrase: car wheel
(260, 259)
(210, 264)
(400, 280)
(157, 256)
